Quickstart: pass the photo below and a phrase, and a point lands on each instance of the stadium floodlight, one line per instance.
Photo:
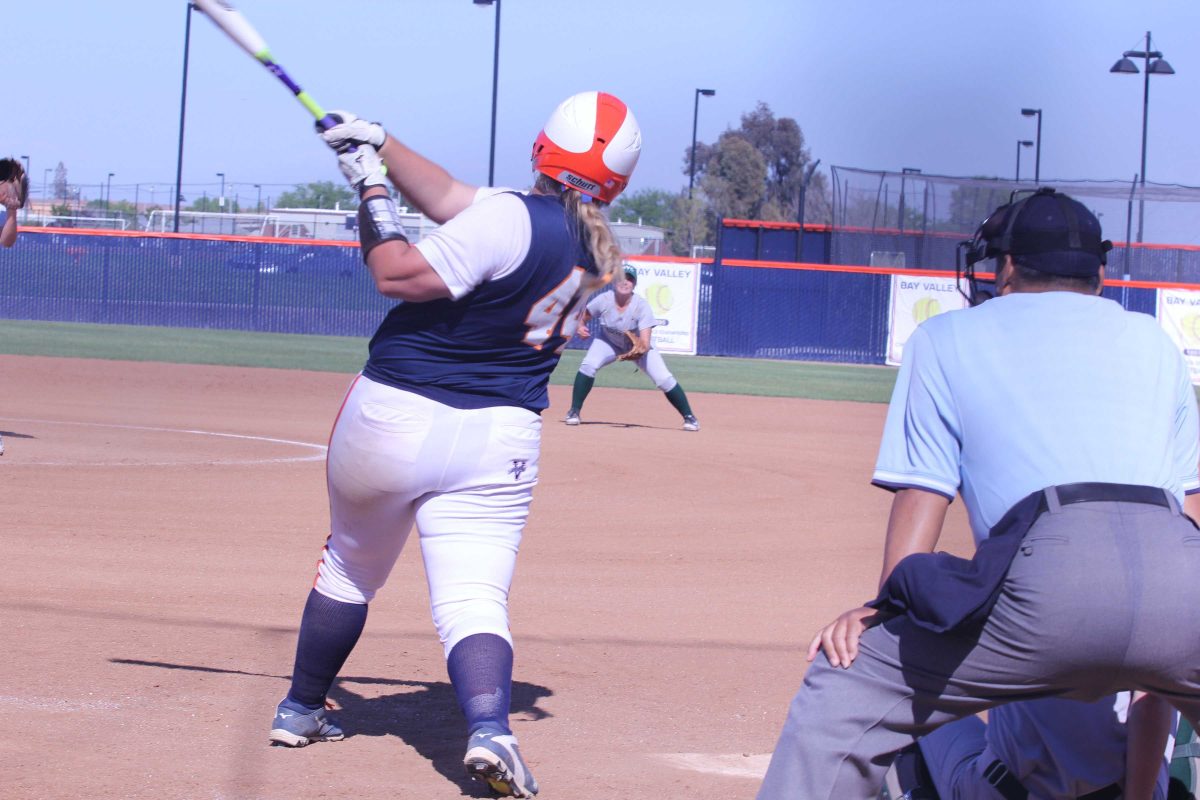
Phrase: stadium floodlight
(187, 42)
(1021, 143)
(1037, 159)
(695, 120)
(495, 86)
(1154, 64)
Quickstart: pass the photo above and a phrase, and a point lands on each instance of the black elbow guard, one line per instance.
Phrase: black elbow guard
(378, 222)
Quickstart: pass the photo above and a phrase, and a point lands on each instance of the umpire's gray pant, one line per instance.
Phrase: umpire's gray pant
(1101, 597)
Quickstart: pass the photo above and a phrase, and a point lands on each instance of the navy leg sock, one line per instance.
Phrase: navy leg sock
(480, 668)
(329, 629)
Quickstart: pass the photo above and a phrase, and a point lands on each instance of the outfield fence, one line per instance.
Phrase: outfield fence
(773, 290)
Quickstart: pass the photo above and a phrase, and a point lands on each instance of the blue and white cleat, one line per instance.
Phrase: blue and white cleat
(293, 729)
(493, 756)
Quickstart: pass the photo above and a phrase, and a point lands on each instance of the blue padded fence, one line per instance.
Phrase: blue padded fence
(766, 311)
(189, 283)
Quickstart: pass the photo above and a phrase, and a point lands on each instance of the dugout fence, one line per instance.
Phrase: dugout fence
(773, 290)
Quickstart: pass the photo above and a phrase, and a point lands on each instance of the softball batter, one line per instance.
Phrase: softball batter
(626, 325)
(442, 429)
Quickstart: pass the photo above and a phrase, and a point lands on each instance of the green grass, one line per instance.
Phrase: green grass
(346, 354)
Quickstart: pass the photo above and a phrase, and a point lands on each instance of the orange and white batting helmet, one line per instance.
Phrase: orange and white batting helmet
(590, 143)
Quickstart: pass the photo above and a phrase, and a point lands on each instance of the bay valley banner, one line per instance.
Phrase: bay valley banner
(915, 299)
(673, 290)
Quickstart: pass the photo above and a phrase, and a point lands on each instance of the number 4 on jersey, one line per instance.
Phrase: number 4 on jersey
(552, 312)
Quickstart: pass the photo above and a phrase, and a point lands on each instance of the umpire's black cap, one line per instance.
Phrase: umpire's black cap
(1046, 231)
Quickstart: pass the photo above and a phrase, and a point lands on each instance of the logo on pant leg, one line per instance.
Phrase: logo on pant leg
(518, 466)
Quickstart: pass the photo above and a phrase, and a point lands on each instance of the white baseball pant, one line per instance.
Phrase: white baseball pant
(600, 354)
(465, 477)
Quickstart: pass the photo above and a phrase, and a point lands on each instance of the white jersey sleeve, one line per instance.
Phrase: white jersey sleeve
(486, 241)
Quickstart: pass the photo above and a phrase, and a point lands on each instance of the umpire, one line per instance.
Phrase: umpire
(1069, 427)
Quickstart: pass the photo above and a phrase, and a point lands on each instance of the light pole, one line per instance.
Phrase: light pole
(258, 204)
(187, 40)
(108, 192)
(1021, 143)
(495, 86)
(1158, 66)
(221, 200)
(695, 120)
(46, 184)
(904, 171)
(1037, 162)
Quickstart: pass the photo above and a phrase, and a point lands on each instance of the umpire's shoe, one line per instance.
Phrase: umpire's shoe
(293, 728)
(493, 756)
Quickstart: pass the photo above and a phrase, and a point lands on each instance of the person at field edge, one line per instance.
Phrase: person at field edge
(11, 202)
(1069, 427)
(10, 199)
(442, 429)
(621, 311)
(1114, 747)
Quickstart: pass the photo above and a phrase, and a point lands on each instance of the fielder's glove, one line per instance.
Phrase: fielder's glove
(363, 168)
(352, 132)
(14, 184)
(636, 348)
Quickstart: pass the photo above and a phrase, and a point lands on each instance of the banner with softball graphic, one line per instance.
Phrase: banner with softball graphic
(915, 299)
(1179, 314)
(673, 290)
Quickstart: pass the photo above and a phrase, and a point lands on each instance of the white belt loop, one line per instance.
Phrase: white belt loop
(1052, 504)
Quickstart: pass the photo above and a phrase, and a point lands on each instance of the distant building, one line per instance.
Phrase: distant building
(637, 239)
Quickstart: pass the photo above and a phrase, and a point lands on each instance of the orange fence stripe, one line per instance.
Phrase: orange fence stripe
(209, 237)
(728, 262)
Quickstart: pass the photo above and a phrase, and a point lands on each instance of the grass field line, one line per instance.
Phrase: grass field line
(344, 354)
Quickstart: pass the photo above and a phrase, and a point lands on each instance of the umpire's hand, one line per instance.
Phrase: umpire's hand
(839, 639)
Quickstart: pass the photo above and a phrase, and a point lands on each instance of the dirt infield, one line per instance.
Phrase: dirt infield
(161, 524)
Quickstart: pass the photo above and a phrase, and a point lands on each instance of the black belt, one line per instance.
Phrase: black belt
(1070, 493)
(1002, 779)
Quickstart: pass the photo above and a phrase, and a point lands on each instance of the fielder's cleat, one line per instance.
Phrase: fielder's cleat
(1, 446)
(690, 423)
(293, 729)
(572, 417)
(493, 756)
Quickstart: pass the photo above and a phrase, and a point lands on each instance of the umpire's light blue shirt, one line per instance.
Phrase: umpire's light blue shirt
(1037, 389)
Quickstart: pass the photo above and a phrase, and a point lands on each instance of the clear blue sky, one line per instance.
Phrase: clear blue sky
(931, 84)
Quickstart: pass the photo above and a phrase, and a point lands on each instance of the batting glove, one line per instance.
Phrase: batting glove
(352, 132)
(363, 168)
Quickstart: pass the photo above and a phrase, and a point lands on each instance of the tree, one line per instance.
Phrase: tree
(645, 207)
(735, 178)
(321, 194)
(757, 170)
(62, 189)
(213, 205)
(970, 204)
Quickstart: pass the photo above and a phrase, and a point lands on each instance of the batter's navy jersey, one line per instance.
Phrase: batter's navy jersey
(497, 344)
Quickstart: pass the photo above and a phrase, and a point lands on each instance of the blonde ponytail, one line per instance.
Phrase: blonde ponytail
(592, 224)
